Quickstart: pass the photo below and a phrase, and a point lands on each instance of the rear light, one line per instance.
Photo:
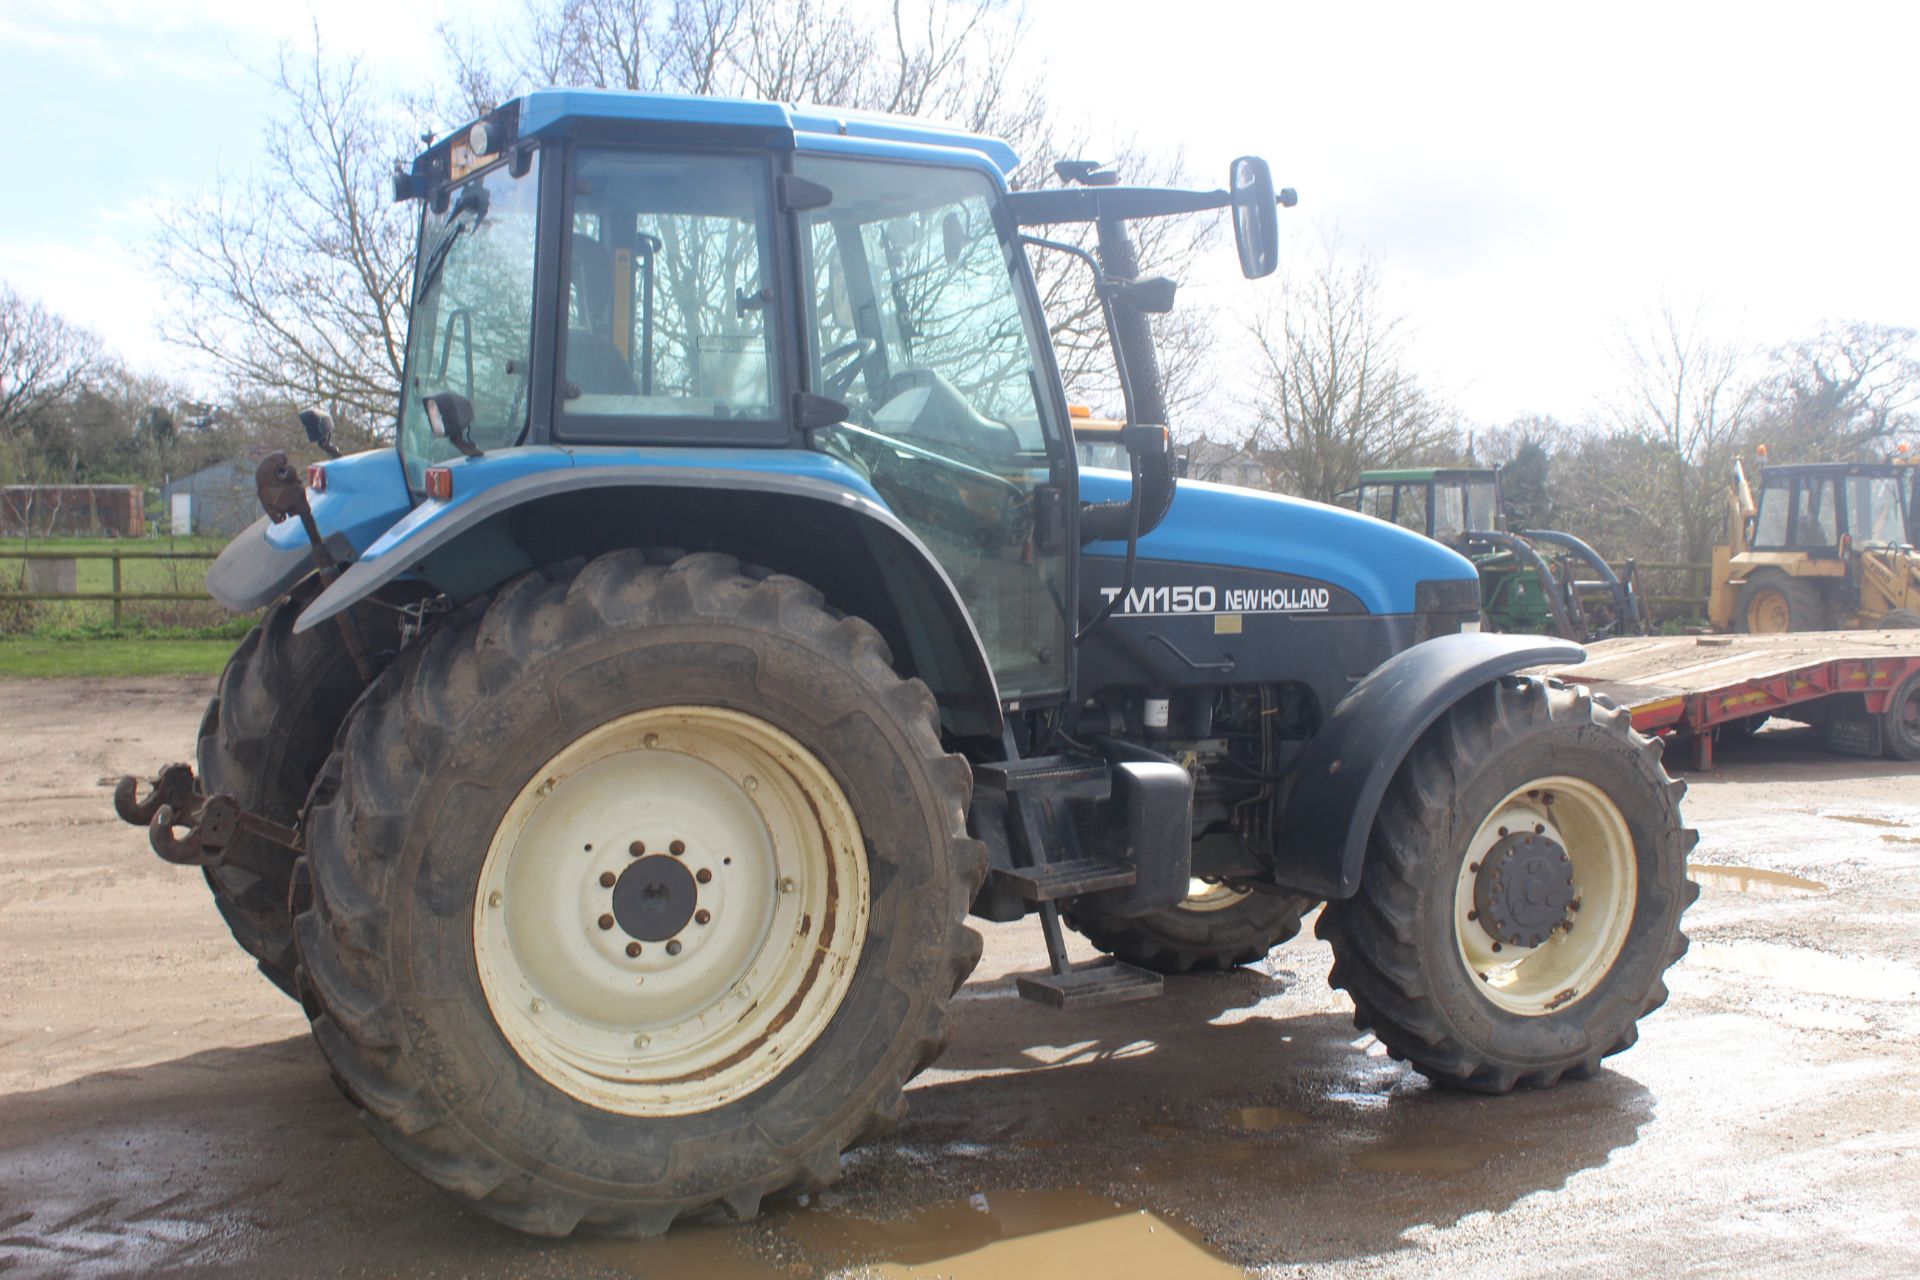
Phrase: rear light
(317, 478)
(440, 483)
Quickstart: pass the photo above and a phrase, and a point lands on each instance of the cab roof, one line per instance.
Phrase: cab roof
(686, 120)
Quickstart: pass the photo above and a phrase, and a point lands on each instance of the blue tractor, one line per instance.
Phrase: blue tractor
(621, 756)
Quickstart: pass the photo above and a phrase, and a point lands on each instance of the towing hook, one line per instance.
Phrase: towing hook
(173, 788)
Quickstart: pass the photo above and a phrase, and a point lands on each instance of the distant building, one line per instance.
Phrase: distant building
(1223, 464)
(73, 511)
(217, 500)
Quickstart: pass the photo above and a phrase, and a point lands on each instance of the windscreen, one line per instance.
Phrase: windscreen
(1875, 511)
(472, 323)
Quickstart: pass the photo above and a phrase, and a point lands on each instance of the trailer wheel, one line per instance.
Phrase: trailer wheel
(1900, 723)
(263, 738)
(1771, 602)
(636, 895)
(1215, 928)
(1522, 893)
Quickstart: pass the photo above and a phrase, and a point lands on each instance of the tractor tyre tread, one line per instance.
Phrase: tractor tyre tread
(1174, 940)
(266, 733)
(1377, 935)
(411, 723)
(1806, 611)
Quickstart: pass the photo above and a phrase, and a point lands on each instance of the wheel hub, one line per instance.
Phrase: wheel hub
(654, 898)
(1523, 889)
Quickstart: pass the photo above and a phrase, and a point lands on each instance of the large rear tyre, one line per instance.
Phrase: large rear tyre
(1771, 602)
(637, 895)
(264, 736)
(1214, 929)
(1522, 893)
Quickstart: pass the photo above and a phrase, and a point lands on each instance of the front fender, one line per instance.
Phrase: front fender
(1337, 790)
(365, 494)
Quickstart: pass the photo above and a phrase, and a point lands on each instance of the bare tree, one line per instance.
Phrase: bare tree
(1692, 393)
(43, 361)
(1335, 396)
(1847, 392)
(293, 283)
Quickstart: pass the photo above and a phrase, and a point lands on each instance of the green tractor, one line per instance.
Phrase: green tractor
(1532, 581)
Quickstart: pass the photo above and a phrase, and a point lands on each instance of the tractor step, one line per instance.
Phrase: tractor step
(1055, 777)
(1106, 981)
(1064, 879)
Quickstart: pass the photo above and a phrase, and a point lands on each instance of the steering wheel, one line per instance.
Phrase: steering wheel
(964, 429)
(855, 354)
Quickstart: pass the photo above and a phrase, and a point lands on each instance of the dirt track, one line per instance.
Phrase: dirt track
(161, 1109)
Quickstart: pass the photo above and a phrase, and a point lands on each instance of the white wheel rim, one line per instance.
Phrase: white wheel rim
(751, 983)
(1204, 896)
(1565, 968)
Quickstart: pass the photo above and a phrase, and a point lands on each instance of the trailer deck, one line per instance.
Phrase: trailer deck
(1688, 686)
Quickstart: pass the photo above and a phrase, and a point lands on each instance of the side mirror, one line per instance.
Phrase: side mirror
(1256, 218)
(318, 424)
(450, 416)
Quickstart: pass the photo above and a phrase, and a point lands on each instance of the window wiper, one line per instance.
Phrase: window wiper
(474, 200)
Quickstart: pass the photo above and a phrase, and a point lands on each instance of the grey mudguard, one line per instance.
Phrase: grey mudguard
(251, 573)
(1338, 788)
(954, 637)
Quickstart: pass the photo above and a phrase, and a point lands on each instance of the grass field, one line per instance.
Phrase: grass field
(44, 638)
(31, 657)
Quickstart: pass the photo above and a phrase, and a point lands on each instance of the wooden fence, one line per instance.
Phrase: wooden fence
(118, 596)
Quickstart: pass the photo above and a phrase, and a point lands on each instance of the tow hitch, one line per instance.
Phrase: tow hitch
(174, 802)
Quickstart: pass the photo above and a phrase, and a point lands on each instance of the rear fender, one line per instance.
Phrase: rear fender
(366, 495)
(1329, 813)
(805, 519)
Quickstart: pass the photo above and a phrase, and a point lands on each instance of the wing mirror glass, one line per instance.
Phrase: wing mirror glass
(450, 416)
(1256, 217)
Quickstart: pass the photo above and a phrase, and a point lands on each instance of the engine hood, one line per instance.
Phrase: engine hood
(1217, 524)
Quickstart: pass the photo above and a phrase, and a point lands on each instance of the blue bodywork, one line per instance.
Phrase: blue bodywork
(365, 494)
(809, 128)
(1216, 524)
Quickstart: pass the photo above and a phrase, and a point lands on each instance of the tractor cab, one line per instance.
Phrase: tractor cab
(1443, 503)
(1819, 508)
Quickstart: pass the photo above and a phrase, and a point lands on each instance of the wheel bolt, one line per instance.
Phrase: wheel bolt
(1473, 915)
(703, 875)
(641, 1042)
(786, 884)
(637, 848)
(702, 916)
(606, 921)
(494, 899)
(673, 947)
(606, 879)
(1539, 828)
(677, 848)
(633, 948)
(1503, 831)
(1496, 946)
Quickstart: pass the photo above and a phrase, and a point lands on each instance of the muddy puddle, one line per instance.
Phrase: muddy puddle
(1808, 970)
(1432, 1159)
(988, 1236)
(1264, 1119)
(1001, 1234)
(1752, 880)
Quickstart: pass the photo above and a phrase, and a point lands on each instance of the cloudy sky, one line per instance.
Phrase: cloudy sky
(1530, 177)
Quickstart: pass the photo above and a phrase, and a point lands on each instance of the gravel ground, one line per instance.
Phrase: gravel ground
(162, 1111)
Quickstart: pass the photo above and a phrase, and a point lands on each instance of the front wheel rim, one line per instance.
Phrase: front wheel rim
(671, 911)
(1577, 952)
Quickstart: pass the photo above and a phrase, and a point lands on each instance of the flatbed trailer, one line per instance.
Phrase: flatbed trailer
(1690, 686)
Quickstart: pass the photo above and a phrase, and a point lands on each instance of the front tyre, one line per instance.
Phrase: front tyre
(639, 894)
(1215, 928)
(1522, 894)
